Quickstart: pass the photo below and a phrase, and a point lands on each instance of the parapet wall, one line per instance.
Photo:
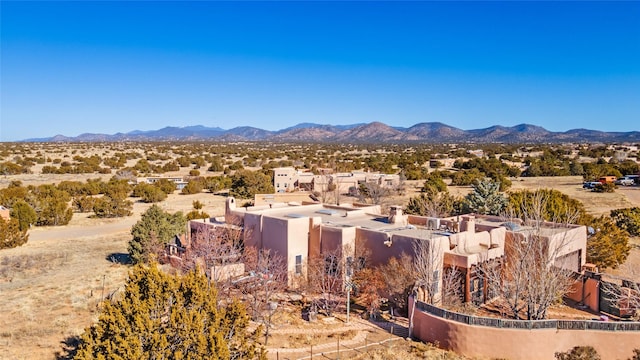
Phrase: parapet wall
(522, 343)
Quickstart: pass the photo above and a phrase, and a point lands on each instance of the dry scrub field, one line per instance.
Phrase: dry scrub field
(51, 286)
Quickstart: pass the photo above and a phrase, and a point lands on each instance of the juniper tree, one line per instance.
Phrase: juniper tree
(11, 235)
(556, 205)
(161, 316)
(628, 219)
(24, 213)
(154, 230)
(608, 246)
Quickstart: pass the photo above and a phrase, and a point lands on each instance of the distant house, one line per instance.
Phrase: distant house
(179, 181)
(288, 179)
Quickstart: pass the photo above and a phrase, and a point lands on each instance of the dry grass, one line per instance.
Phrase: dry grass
(407, 350)
(52, 285)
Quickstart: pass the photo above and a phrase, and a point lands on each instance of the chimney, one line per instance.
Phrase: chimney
(396, 216)
(468, 223)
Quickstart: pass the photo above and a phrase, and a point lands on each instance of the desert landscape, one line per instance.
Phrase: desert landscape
(52, 285)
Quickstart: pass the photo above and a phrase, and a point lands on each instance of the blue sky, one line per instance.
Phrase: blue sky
(105, 67)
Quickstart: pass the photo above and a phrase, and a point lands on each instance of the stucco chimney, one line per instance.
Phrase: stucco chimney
(468, 223)
(396, 216)
(229, 208)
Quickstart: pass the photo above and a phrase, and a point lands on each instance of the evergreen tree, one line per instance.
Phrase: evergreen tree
(160, 316)
(628, 219)
(11, 235)
(154, 230)
(434, 184)
(558, 207)
(24, 213)
(485, 198)
(111, 207)
(52, 206)
(245, 184)
(608, 246)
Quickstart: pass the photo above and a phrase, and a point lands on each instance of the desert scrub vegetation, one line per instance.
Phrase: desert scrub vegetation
(497, 161)
(11, 235)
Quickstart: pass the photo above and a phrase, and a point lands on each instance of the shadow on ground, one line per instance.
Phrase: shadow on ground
(119, 258)
(69, 348)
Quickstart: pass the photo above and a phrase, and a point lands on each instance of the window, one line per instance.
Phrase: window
(298, 264)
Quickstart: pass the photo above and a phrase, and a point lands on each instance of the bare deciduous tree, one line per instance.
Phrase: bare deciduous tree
(452, 286)
(436, 204)
(269, 278)
(372, 191)
(535, 274)
(399, 278)
(427, 263)
(214, 249)
(326, 280)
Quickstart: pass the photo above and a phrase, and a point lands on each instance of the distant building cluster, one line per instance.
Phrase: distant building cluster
(288, 179)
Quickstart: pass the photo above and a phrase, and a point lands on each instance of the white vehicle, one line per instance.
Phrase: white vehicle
(625, 181)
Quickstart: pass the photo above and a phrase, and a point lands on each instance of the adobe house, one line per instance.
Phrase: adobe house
(287, 179)
(301, 230)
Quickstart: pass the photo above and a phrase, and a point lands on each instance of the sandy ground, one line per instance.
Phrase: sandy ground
(51, 286)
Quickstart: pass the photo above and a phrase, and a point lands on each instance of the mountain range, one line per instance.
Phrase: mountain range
(375, 132)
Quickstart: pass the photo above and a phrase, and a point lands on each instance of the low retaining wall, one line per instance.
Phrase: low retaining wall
(533, 340)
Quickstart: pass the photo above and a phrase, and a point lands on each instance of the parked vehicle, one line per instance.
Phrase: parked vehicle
(590, 184)
(607, 179)
(625, 181)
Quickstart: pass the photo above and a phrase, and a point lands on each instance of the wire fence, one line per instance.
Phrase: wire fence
(384, 334)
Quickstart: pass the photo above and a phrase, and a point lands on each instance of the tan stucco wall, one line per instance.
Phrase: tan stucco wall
(275, 233)
(591, 293)
(517, 344)
(338, 239)
(253, 230)
(287, 238)
(374, 241)
(298, 244)
(571, 240)
(281, 198)
(314, 236)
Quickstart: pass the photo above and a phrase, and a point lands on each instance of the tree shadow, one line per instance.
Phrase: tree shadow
(119, 258)
(69, 348)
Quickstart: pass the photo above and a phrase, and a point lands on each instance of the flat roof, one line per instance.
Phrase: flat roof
(344, 216)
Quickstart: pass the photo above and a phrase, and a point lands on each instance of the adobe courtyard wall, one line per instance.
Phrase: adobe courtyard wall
(519, 344)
